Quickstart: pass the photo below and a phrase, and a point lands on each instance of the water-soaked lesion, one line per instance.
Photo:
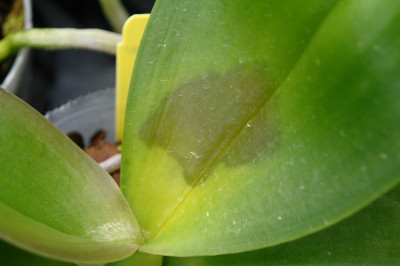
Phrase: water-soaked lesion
(215, 116)
(258, 139)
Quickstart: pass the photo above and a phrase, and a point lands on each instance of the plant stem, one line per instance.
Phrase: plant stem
(55, 39)
(115, 13)
(111, 164)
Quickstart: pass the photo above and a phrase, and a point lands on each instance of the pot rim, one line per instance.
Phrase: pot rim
(11, 81)
(87, 114)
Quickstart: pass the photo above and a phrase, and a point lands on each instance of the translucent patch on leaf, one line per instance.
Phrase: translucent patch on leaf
(200, 120)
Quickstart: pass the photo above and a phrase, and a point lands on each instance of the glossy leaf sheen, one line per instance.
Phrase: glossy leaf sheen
(54, 200)
(253, 124)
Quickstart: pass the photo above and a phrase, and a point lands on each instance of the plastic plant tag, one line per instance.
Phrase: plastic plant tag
(126, 54)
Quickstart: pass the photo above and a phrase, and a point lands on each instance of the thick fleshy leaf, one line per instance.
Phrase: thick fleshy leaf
(371, 237)
(254, 123)
(54, 200)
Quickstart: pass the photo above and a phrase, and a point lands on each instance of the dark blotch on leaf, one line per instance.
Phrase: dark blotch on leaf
(213, 118)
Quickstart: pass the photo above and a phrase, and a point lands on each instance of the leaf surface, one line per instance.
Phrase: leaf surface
(54, 200)
(370, 237)
(249, 125)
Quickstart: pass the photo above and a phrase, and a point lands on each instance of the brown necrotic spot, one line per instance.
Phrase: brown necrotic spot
(215, 117)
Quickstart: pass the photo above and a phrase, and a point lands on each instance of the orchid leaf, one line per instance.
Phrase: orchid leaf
(54, 200)
(370, 237)
(251, 124)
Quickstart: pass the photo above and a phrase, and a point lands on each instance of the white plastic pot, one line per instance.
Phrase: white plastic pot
(87, 114)
(13, 79)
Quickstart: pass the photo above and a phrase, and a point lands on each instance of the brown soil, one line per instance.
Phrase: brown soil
(98, 149)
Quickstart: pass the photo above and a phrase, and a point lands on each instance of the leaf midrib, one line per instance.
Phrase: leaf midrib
(240, 129)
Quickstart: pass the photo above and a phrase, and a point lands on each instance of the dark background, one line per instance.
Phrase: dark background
(54, 77)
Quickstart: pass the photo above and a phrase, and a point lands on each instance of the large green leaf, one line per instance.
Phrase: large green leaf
(54, 200)
(254, 123)
(371, 237)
